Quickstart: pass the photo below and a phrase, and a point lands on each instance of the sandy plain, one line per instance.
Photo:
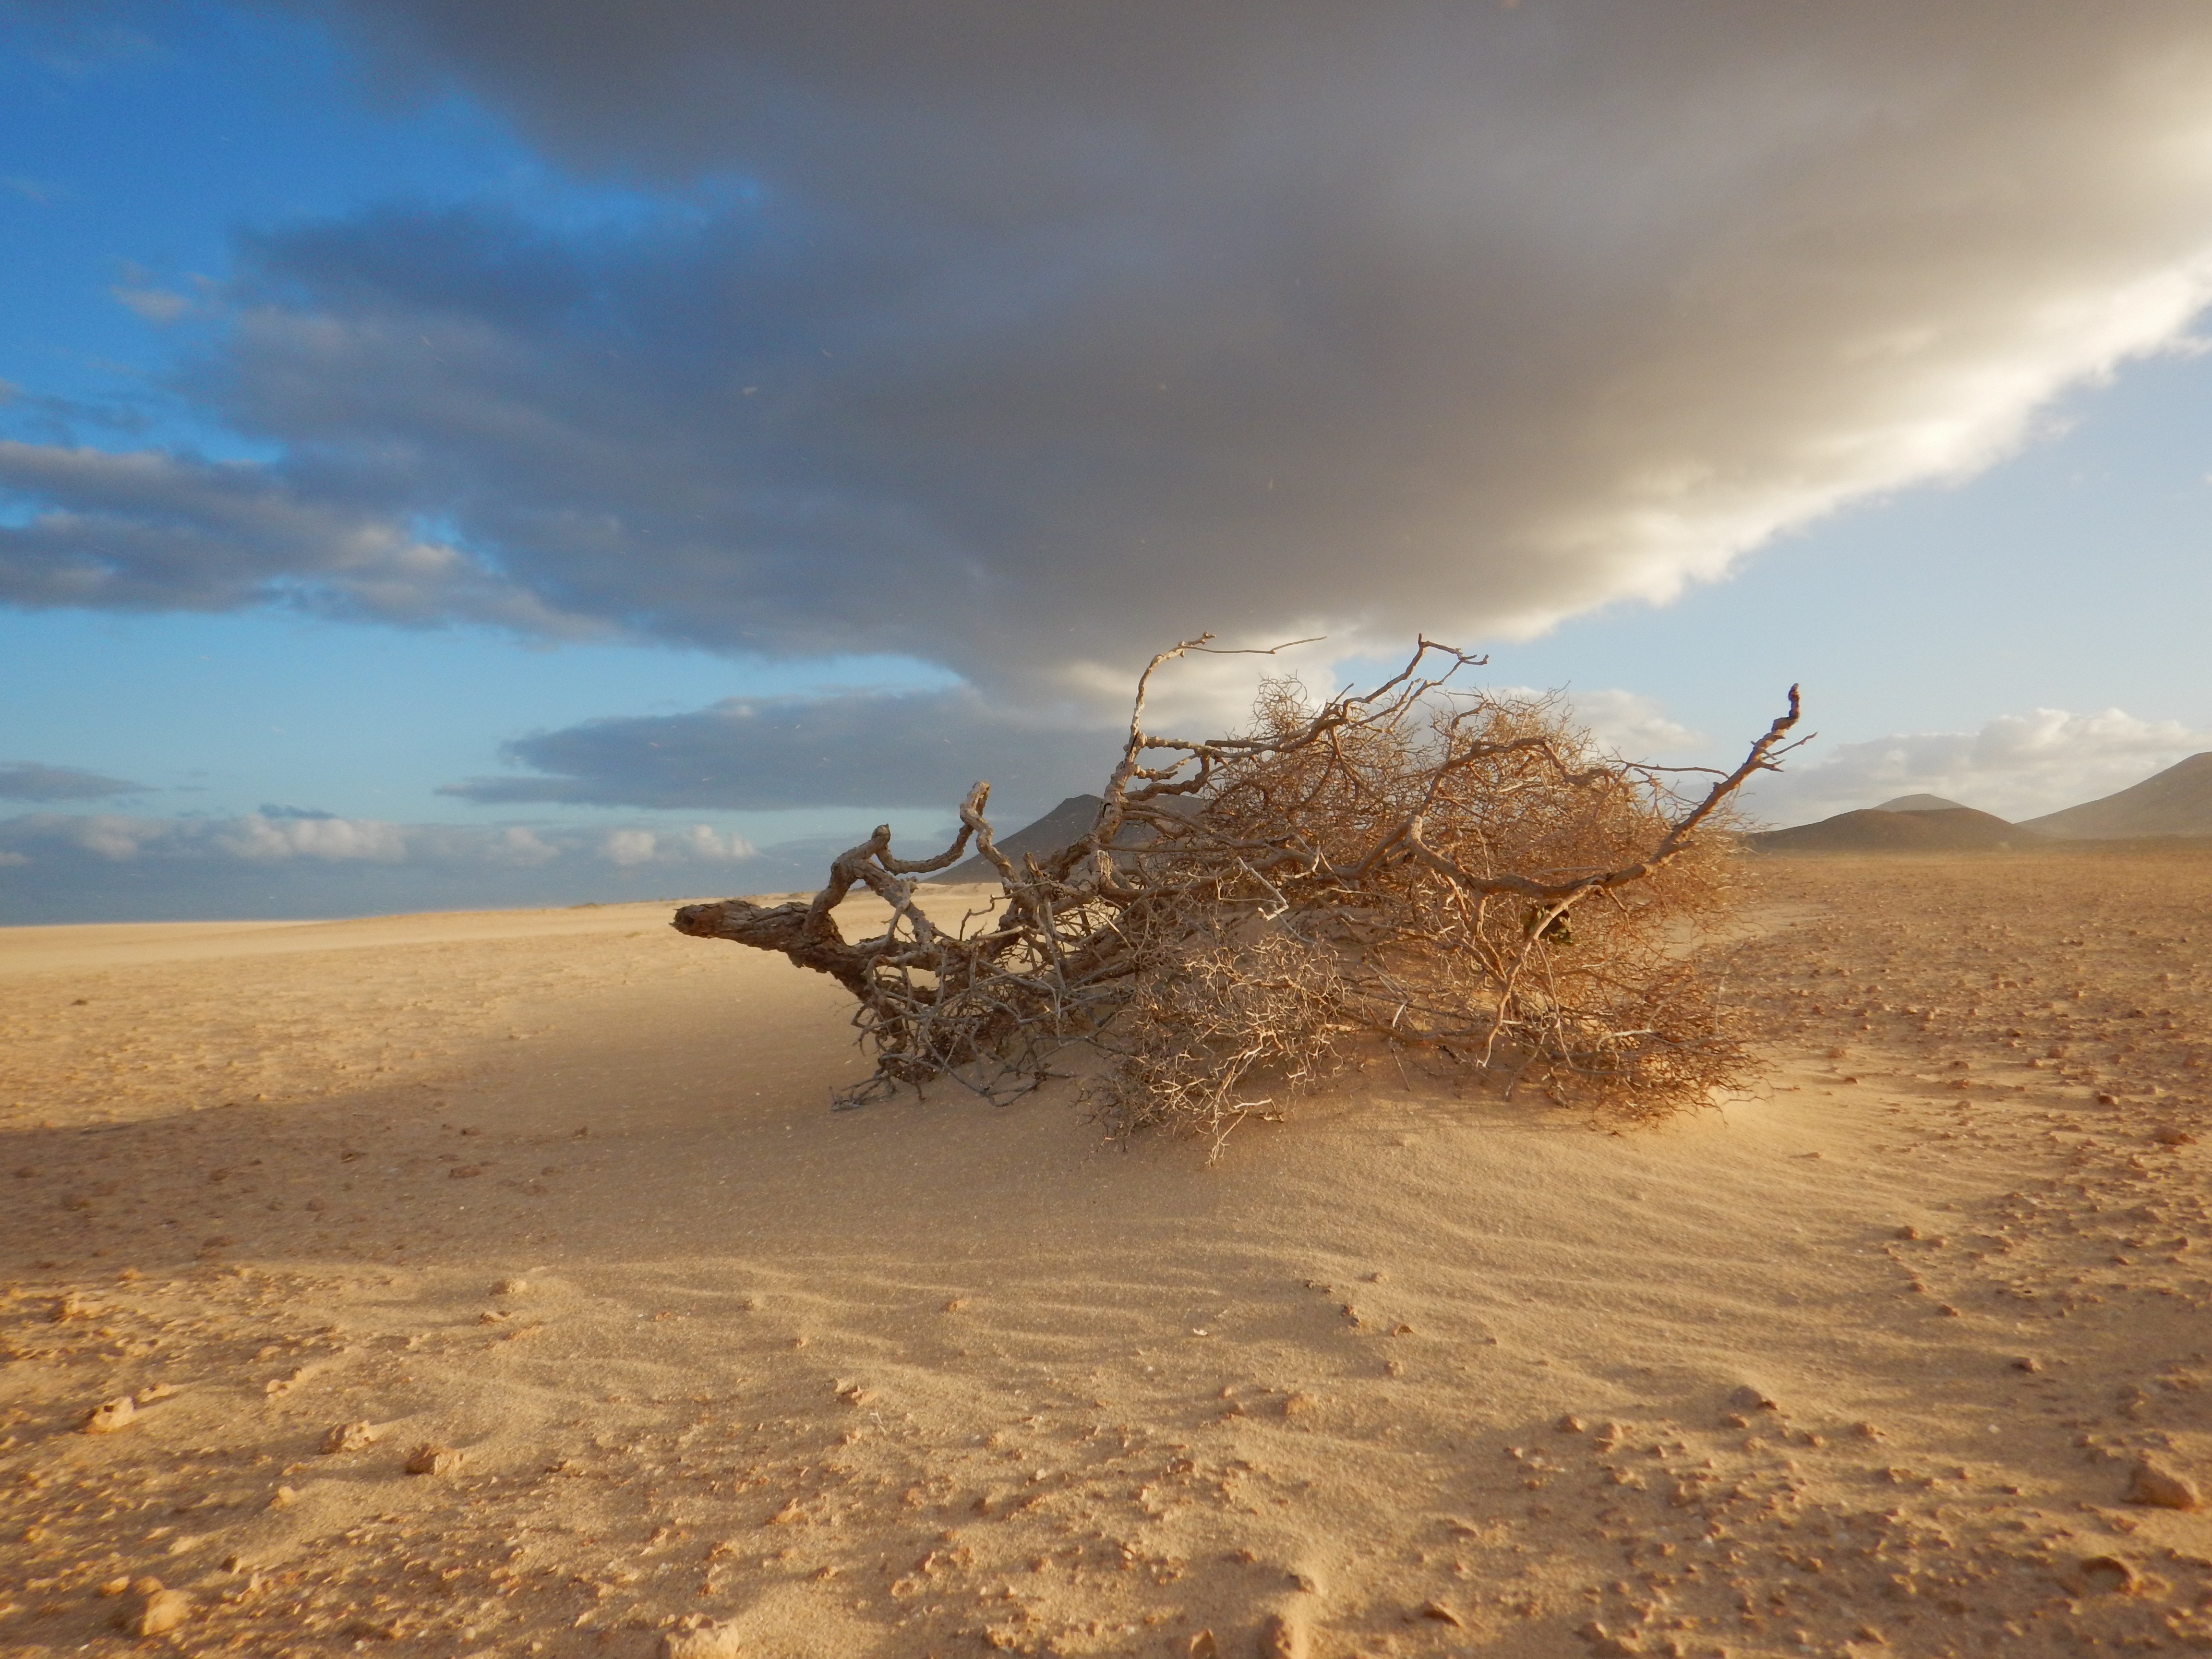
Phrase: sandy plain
(1861, 1362)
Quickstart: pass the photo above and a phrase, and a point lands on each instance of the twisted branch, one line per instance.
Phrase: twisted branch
(1398, 866)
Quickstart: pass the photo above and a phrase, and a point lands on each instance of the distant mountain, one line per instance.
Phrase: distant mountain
(2175, 802)
(1921, 830)
(1072, 817)
(1920, 804)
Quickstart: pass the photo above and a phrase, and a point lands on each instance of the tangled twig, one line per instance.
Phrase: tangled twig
(1413, 866)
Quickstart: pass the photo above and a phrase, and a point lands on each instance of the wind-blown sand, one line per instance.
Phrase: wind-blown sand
(1860, 1365)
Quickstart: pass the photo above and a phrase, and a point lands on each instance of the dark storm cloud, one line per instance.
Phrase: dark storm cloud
(1024, 339)
(28, 781)
(864, 748)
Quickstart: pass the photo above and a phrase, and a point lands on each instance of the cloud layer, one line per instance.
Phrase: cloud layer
(29, 780)
(118, 866)
(1024, 340)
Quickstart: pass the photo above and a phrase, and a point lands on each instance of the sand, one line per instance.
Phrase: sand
(549, 1207)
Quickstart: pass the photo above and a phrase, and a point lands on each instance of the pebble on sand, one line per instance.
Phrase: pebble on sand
(2161, 1488)
(153, 1610)
(107, 1417)
(350, 1437)
(705, 1642)
(1283, 1636)
(428, 1459)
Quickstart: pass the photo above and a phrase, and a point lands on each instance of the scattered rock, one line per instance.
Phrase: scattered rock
(1298, 1405)
(1283, 1636)
(1570, 1424)
(106, 1419)
(71, 1306)
(2173, 1134)
(1605, 1645)
(428, 1459)
(350, 1437)
(154, 1391)
(2027, 1362)
(2161, 1488)
(283, 1497)
(2103, 1575)
(511, 1287)
(1442, 1614)
(114, 1586)
(153, 1610)
(1203, 1646)
(1746, 1398)
(710, 1641)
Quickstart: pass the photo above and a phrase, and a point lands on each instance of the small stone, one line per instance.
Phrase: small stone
(2027, 1362)
(350, 1437)
(511, 1287)
(713, 1641)
(1298, 1405)
(1203, 1646)
(71, 1306)
(428, 1459)
(283, 1498)
(107, 1417)
(2104, 1575)
(1442, 1614)
(2161, 1488)
(154, 1391)
(153, 1610)
(1604, 1644)
(1282, 1637)
(1746, 1398)
(2173, 1134)
(1570, 1424)
(115, 1586)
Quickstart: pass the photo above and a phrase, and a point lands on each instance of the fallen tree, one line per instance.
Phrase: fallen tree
(1415, 870)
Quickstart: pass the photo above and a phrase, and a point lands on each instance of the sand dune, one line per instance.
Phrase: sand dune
(1860, 1365)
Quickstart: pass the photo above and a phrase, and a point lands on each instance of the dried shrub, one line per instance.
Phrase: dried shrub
(1415, 870)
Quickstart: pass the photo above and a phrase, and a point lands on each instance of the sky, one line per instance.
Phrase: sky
(489, 454)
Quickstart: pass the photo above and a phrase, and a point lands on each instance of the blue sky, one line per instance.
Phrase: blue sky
(483, 417)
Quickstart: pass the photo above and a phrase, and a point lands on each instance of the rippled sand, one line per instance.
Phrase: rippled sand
(1862, 1363)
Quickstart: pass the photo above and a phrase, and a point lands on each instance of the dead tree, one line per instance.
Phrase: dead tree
(1415, 869)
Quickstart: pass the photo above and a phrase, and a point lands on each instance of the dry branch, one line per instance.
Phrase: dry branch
(1413, 868)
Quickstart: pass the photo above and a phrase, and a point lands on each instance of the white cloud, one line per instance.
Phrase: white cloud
(333, 839)
(255, 838)
(629, 847)
(110, 866)
(696, 844)
(2017, 766)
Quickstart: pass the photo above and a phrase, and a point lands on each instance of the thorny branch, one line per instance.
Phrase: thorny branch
(1413, 868)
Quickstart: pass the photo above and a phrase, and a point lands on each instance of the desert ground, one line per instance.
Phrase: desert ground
(500, 1284)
